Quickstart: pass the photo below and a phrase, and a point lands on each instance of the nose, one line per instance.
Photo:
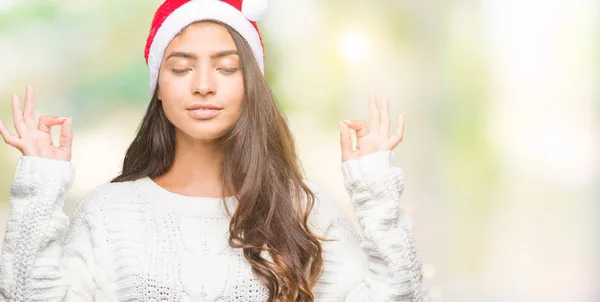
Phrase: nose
(203, 82)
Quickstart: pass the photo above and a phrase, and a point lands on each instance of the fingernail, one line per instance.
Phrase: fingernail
(346, 122)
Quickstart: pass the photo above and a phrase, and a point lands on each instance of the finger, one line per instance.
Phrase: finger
(395, 139)
(345, 141)
(373, 112)
(8, 138)
(46, 121)
(18, 116)
(384, 126)
(66, 136)
(29, 106)
(359, 126)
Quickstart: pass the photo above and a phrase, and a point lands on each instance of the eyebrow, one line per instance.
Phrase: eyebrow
(216, 55)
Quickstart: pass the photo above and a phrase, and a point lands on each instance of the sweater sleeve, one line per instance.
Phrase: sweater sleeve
(384, 264)
(45, 256)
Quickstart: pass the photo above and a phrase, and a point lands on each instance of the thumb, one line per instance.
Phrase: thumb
(345, 142)
(66, 136)
(46, 122)
(359, 126)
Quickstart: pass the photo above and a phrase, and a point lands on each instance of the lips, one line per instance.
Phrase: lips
(202, 106)
(203, 114)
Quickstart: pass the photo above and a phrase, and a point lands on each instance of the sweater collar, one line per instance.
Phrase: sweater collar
(171, 202)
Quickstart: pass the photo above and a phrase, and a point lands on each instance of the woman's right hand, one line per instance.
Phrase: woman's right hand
(35, 139)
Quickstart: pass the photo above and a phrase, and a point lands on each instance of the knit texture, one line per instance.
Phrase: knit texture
(136, 241)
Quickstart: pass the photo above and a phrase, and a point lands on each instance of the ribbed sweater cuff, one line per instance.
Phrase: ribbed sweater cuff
(42, 170)
(357, 169)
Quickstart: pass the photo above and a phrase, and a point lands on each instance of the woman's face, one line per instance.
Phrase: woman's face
(200, 82)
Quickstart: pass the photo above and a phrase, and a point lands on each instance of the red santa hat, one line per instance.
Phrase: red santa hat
(174, 15)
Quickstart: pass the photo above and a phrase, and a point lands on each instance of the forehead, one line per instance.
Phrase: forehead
(203, 36)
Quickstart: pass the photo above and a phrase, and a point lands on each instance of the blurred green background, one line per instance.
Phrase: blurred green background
(502, 118)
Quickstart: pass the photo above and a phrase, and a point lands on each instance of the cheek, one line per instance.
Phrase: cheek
(236, 95)
(169, 87)
(171, 106)
(171, 112)
(170, 91)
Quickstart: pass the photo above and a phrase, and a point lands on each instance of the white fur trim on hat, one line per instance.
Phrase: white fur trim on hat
(255, 10)
(198, 10)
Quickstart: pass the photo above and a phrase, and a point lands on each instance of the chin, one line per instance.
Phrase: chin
(205, 132)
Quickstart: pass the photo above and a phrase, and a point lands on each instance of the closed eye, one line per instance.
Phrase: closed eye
(180, 71)
(228, 70)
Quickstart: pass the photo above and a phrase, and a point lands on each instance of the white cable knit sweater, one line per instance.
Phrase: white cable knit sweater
(135, 241)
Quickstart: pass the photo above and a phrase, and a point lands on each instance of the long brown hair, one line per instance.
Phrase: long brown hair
(261, 168)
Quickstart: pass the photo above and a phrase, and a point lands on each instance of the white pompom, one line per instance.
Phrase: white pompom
(255, 10)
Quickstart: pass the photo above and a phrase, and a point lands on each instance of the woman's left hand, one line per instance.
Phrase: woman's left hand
(376, 137)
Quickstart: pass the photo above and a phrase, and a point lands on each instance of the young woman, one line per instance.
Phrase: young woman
(211, 204)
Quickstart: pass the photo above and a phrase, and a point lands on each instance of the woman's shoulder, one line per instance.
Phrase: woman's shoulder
(106, 194)
(325, 209)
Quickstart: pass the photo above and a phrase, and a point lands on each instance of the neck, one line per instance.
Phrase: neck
(196, 169)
